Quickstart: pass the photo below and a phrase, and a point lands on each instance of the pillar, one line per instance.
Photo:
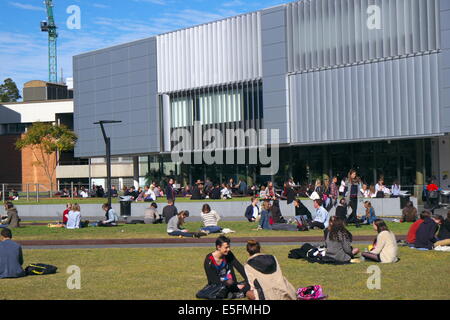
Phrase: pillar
(136, 172)
(420, 179)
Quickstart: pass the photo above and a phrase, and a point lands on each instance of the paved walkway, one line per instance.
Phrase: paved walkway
(180, 241)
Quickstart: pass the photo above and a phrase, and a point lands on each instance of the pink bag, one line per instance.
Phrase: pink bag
(311, 293)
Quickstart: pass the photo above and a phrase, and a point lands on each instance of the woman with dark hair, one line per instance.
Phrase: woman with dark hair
(385, 246)
(341, 209)
(111, 218)
(210, 220)
(275, 212)
(353, 190)
(219, 268)
(175, 225)
(338, 241)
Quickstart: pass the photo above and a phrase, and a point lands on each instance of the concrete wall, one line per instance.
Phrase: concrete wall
(231, 210)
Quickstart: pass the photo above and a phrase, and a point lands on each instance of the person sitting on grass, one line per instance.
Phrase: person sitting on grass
(252, 211)
(443, 235)
(426, 234)
(74, 217)
(370, 216)
(11, 257)
(322, 217)
(66, 213)
(411, 237)
(265, 277)
(12, 219)
(151, 215)
(338, 241)
(111, 218)
(301, 211)
(265, 216)
(385, 247)
(219, 268)
(169, 211)
(275, 213)
(175, 225)
(210, 220)
(409, 213)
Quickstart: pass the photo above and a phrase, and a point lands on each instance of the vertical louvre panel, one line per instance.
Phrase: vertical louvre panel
(387, 99)
(329, 33)
(211, 54)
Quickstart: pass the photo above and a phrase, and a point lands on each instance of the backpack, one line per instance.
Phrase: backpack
(311, 293)
(40, 269)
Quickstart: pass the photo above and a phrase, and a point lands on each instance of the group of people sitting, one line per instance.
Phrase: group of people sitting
(429, 232)
(262, 275)
(72, 217)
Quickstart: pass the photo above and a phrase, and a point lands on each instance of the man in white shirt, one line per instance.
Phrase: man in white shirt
(321, 217)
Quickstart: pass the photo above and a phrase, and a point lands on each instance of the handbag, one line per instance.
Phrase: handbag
(40, 269)
(214, 291)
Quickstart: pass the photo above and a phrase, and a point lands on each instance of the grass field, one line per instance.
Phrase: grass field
(177, 274)
(243, 229)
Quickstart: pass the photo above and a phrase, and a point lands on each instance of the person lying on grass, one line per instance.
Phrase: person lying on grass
(175, 225)
(385, 247)
(219, 268)
(338, 241)
(265, 277)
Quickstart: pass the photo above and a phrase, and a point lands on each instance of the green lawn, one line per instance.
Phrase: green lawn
(243, 229)
(177, 274)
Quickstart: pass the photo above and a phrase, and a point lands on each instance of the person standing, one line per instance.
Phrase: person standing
(334, 191)
(170, 191)
(265, 216)
(353, 189)
(252, 211)
(11, 257)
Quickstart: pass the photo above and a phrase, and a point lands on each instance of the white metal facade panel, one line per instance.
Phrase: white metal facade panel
(215, 53)
(391, 99)
(327, 33)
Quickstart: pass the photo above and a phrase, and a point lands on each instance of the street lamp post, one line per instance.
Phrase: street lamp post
(108, 155)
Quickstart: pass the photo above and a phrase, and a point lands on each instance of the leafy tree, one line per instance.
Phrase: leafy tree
(45, 141)
(9, 91)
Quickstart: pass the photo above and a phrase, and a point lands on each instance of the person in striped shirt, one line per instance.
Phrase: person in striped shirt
(210, 220)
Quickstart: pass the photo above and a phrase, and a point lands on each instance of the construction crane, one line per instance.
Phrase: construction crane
(50, 27)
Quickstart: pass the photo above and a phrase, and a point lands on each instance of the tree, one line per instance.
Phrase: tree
(45, 141)
(9, 91)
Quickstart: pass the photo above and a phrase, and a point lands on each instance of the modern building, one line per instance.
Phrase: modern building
(18, 168)
(359, 84)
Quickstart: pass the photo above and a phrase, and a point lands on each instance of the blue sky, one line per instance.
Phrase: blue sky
(23, 47)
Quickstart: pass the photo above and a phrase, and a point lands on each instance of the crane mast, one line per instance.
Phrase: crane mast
(49, 26)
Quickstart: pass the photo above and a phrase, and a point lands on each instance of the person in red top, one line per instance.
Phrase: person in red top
(411, 238)
(66, 213)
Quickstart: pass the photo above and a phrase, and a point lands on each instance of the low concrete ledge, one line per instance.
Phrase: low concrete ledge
(385, 207)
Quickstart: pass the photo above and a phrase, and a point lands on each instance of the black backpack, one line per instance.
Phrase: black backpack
(35, 269)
